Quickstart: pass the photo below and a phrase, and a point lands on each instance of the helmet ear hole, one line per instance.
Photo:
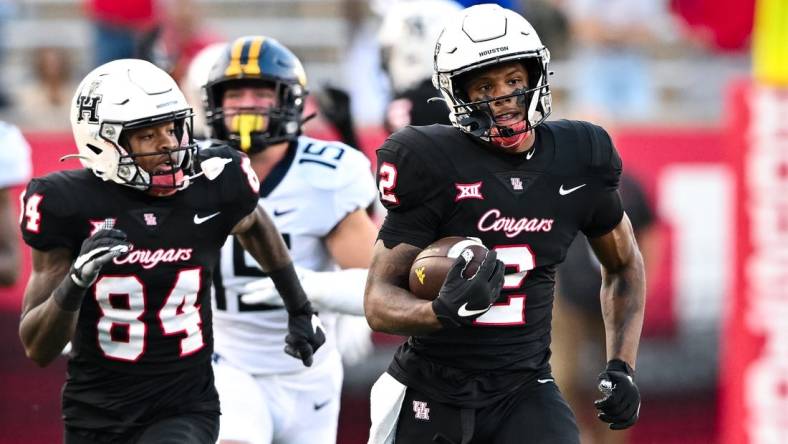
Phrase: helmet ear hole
(124, 142)
(461, 85)
(533, 67)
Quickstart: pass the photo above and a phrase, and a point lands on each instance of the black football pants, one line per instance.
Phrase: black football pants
(194, 428)
(535, 414)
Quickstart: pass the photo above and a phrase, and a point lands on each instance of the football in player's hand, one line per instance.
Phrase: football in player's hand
(431, 266)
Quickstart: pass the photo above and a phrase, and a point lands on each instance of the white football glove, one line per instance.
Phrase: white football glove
(354, 338)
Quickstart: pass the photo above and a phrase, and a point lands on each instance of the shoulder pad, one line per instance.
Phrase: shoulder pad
(604, 159)
(411, 165)
(215, 161)
(329, 165)
(603, 153)
(432, 134)
(234, 178)
(210, 149)
(590, 148)
(47, 208)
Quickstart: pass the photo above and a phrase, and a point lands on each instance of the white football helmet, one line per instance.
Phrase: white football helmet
(409, 30)
(479, 37)
(128, 94)
(194, 81)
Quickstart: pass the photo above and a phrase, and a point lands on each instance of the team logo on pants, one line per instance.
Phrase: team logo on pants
(421, 410)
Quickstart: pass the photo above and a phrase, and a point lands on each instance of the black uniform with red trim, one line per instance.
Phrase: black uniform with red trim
(143, 342)
(437, 181)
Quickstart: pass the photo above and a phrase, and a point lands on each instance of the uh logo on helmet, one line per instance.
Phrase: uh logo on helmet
(484, 36)
(257, 62)
(125, 95)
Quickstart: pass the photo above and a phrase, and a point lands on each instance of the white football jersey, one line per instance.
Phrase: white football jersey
(306, 195)
(15, 165)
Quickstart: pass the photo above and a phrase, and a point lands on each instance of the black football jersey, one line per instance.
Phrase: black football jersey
(148, 312)
(437, 181)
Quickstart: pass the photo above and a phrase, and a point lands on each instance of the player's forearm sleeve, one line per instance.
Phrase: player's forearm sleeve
(339, 291)
(287, 284)
(68, 295)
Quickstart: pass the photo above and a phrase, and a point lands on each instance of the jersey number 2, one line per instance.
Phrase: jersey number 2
(387, 180)
(511, 312)
(121, 301)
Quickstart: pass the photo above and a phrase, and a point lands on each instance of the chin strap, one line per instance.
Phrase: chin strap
(509, 136)
(73, 156)
(480, 124)
(211, 169)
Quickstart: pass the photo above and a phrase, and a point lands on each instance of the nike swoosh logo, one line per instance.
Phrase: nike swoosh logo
(464, 312)
(278, 213)
(317, 324)
(320, 405)
(198, 220)
(544, 381)
(530, 154)
(562, 191)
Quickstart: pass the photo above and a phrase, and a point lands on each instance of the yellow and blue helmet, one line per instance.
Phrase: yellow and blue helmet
(256, 61)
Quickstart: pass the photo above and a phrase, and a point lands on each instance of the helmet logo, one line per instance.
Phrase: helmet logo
(245, 62)
(493, 51)
(88, 105)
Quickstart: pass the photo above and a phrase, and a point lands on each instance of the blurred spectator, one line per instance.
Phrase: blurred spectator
(407, 39)
(15, 170)
(195, 78)
(363, 79)
(578, 330)
(551, 23)
(712, 21)
(7, 10)
(611, 38)
(43, 103)
(334, 105)
(118, 27)
(183, 35)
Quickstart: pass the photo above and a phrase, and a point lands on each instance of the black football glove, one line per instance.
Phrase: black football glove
(305, 334)
(621, 404)
(105, 245)
(96, 251)
(461, 300)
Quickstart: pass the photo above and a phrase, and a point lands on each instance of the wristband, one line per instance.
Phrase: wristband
(617, 365)
(68, 295)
